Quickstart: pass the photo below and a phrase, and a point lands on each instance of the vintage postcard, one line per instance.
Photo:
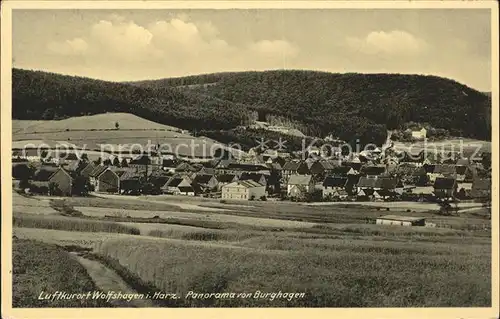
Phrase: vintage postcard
(262, 158)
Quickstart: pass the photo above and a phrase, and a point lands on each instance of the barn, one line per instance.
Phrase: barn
(400, 220)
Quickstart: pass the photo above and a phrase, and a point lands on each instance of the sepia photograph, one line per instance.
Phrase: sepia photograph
(272, 155)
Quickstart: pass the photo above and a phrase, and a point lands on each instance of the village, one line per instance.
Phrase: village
(264, 174)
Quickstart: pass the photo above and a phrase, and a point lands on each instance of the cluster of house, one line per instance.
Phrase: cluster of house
(272, 175)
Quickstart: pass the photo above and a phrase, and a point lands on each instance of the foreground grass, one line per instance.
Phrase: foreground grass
(71, 224)
(40, 267)
(350, 275)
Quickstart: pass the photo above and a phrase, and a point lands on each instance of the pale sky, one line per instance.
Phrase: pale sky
(123, 45)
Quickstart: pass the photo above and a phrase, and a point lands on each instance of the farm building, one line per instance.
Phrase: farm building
(246, 190)
(303, 180)
(89, 168)
(445, 187)
(323, 167)
(225, 179)
(354, 164)
(342, 171)
(259, 178)
(129, 180)
(63, 181)
(400, 220)
(104, 180)
(294, 168)
(178, 185)
(379, 187)
(205, 182)
(333, 184)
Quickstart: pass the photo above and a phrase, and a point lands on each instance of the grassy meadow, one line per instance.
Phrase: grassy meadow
(331, 255)
(41, 267)
(341, 273)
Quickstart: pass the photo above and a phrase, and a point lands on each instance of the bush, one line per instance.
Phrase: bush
(263, 198)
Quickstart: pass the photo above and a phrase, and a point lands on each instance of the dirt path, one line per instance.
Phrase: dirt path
(107, 279)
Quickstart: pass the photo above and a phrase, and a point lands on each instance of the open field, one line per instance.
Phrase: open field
(70, 223)
(31, 205)
(336, 275)
(40, 267)
(90, 132)
(105, 121)
(328, 252)
(396, 206)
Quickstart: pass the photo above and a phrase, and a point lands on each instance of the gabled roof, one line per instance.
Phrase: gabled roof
(207, 170)
(225, 178)
(334, 181)
(378, 182)
(186, 189)
(340, 170)
(444, 183)
(372, 170)
(291, 166)
(224, 163)
(246, 184)
(174, 181)
(300, 180)
(126, 175)
(251, 176)
(444, 169)
(202, 179)
(98, 170)
(367, 182)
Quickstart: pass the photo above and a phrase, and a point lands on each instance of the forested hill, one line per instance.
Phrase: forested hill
(351, 106)
(40, 95)
(347, 103)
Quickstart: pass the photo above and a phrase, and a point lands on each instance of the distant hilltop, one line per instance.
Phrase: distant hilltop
(348, 106)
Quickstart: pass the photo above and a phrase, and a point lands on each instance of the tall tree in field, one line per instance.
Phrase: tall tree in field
(116, 162)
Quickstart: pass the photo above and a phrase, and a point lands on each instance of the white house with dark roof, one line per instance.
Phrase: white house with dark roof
(243, 190)
(305, 181)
